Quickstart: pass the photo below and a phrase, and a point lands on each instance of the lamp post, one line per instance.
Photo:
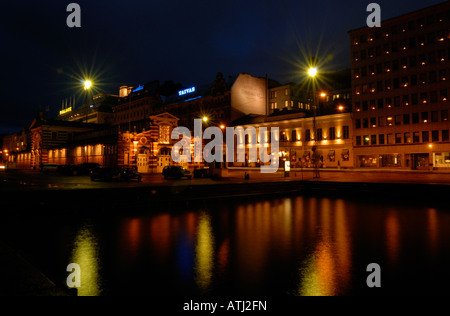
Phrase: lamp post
(87, 86)
(312, 72)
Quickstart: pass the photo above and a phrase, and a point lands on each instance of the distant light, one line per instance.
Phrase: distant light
(222, 126)
(2, 167)
(312, 72)
(341, 108)
(430, 145)
(87, 84)
(205, 119)
(323, 94)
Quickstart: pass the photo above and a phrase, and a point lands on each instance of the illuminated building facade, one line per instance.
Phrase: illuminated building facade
(49, 134)
(400, 86)
(296, 138)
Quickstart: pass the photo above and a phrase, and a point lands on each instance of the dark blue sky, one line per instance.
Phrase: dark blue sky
(137, 41)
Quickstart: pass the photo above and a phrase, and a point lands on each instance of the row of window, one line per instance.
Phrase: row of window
(404, 100)
(330, 136)
(404, 119)
(413, 25)
(400, 64)
(292, 104)
(400, 46)
(403, 138)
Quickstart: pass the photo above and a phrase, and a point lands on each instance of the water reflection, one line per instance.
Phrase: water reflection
(204, 250)
(86, 254)
(296, 246)
(392, 236)
(326, 271)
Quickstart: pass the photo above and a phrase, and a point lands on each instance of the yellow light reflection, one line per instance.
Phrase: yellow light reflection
(433, 230)
(393, 236)
(318, 274)
(85, 253)
(204, 261)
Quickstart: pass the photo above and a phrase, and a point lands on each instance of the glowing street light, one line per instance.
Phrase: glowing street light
(87, 84)
(312, 72)
(205, 119)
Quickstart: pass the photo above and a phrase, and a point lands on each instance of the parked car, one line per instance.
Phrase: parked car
(105, 174)
(86, 169)
(50, 167)
(129, 174)
(176, 172)
(67, 170)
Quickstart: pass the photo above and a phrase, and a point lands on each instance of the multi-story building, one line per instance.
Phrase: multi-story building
(98, 111)
(294, 97)
(133, 111)
(400, 83)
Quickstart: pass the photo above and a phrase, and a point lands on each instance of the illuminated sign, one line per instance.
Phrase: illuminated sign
(186, 91)
(62, 112)
(287, 166)
(138, 88)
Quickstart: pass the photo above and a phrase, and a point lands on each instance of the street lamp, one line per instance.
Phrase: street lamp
(87, 84)
(312, 72)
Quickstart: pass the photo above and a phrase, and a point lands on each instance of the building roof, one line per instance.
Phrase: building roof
(436, 6)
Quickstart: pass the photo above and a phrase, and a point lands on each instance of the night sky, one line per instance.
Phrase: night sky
(137, 41)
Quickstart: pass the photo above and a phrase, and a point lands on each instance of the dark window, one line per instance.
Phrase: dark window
(416, 137)
(358, 123)
(398, 138)
(435, 136)
(406, 119)
(358, 140)
(381, 139)
(415, 118)
(380, 103)
(373, 139)
(319, 134)
(444, 115)
(332, 133)
(308, 135)
(445, 135)
(425, 137)
(434, 116)
(365, 123)
(346, 132)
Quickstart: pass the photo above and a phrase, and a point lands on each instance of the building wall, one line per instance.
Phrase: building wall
(248, 96)
(296, 140)
(400, 76)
